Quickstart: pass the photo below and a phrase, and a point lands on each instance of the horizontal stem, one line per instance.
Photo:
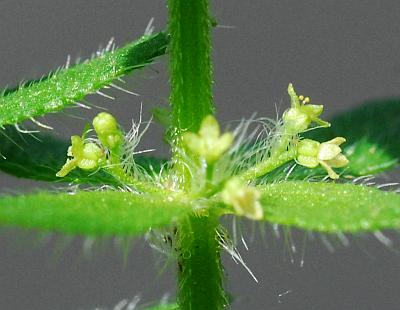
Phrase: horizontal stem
(268, 165)
(117, 172)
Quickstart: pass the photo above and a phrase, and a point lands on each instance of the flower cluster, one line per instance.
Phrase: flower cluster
(312, 153)
(207, 146)
(88, 155)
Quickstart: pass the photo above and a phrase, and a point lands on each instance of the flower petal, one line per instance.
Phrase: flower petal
(337, 141)
(209, 128)
(328, 151)
(339, 161)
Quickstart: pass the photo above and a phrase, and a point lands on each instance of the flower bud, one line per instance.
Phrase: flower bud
(107, 130)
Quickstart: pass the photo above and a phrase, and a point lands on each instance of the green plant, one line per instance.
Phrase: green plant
(199, 184)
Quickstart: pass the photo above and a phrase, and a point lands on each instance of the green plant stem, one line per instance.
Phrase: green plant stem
(191, 74)
(200, 270)
(145, 187)
(116, 170)
(280, 154)
(268, 165)
(190, 64)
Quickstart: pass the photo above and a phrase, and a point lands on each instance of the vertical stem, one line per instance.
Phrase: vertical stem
(190, 64)
(191, 75)
(200, 269)
(199, 264)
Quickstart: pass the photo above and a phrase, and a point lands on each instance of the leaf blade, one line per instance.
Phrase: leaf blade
(330, 207)
(90, 213)
(65, 87)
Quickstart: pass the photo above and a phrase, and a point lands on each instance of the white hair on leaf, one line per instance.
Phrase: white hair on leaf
(149, 28)
(35, 121)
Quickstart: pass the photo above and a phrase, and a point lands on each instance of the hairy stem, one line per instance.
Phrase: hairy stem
(145, 187)
(200, 269)
(191, 74)
(190, 64)
(268, 165)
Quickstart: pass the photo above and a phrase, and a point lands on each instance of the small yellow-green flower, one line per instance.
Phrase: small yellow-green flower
(107, 130)
(87, 156)
(328, 154)
(208, 143)
(243, 198)
(301, 114)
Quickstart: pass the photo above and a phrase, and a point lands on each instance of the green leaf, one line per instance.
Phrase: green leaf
(330, 207)
(40, 156)
(91, 213)
(67, 86)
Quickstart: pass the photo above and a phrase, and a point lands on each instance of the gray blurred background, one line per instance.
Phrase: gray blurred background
(338, 52)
